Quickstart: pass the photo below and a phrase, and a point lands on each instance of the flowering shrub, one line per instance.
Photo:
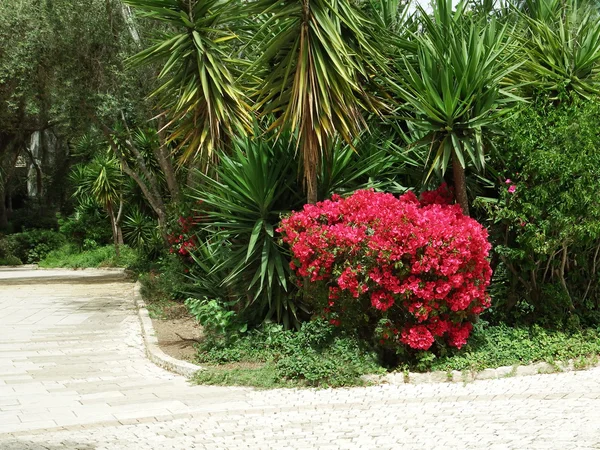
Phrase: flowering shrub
(417, 267)
(182, 239)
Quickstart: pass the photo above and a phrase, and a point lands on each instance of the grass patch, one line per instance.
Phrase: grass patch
(262, 376)
(495, 346)
(71, 257)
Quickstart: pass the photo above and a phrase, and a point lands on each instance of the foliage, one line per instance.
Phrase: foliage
(165, 278)
(10, 260)
(316, 355)
(198, 87)
(562, 46)
(87, 227)
(139, 230)
(453, 87)
(242, 205)
(373, 161)
(417, 270)
(211, 315)
(32, 246)
(71, 257)
(33, 216)
(316, 61)
(548, 217)
(501, 345)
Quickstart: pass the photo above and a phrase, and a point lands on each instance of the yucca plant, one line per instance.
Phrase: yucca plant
(561, 42)
(138, 229)
(242, 204)
(453, 88)
(316, 61)
(198, 89)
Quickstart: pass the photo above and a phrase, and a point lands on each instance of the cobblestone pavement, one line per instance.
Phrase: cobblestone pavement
(73, 375)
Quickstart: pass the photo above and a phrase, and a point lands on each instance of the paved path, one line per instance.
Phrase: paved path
(73, 375)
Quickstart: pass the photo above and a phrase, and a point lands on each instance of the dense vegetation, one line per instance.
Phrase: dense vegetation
(178, 138)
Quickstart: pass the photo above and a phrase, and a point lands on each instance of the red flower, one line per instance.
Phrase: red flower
(417, 337)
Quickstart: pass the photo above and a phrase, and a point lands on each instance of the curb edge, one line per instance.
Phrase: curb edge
(153, 351)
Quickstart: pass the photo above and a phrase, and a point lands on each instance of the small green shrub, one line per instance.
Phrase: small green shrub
(87, 227)
(166, 279)
(214, 317)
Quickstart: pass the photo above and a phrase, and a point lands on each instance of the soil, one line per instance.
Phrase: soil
(178, 332)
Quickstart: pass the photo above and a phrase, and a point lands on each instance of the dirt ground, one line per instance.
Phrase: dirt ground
(177, 333)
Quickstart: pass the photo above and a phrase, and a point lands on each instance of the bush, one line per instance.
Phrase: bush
(409, 273)
(10, 260)
(87, 227)
(547, 221)
(32, 246)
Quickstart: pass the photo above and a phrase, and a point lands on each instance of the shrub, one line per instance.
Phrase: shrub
(547, 220)
(409, 272)
(87, 227)
(34, 245)
(10, 260)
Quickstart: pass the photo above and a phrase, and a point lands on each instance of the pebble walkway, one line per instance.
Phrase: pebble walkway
(73, 375)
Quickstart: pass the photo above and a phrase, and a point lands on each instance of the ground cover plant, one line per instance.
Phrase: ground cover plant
(71, 257)
(494, 346)
(316, 355)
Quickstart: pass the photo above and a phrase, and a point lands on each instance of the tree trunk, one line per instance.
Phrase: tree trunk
(311, 187)
(118, 222)
(114, 228)
(3, 214)
(165, 163)
(460, 185)
(311, 158)
(8, 160)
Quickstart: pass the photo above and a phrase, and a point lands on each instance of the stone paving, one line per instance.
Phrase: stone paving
(73, 375)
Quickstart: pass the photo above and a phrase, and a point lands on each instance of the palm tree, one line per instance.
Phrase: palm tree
(198, 92)
(453, 88)
(102, 180)
(316, 61)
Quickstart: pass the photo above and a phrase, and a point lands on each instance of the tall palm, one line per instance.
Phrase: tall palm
(453, 87)
(316, 60)
(198, 90)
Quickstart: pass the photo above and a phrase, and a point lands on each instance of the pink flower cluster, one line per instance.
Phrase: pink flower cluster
(420, 264)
